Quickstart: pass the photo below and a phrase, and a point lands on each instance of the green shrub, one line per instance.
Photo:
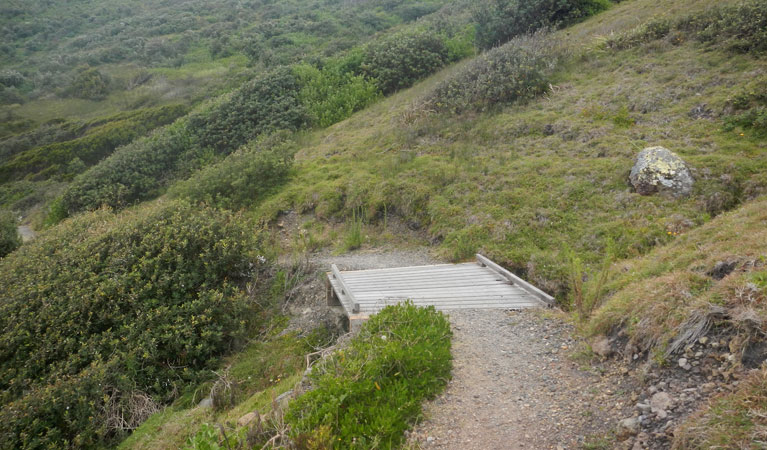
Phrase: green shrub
(101, 141)
(332, 94)
(518, 70)
(89, 83)
(244, 177)
(741, 28)
(268, 103)
(367, 394)
(749, 110)
(499, 21)
(399, 60)
(104, 317)
(9, 235)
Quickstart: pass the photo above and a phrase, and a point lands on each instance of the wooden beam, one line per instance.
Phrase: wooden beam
(537, 293)
(355, 307)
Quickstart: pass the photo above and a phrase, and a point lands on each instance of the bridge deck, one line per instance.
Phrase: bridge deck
(477, 285)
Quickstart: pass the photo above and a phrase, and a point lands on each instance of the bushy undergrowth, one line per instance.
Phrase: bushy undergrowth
(333, 93)
(9, 236)
(749, 110)
(367, 394)
(244, 177)
(518, 70)
(501, 20)
(106, 316)
(400, 60)
(741, 28)
(68, 158)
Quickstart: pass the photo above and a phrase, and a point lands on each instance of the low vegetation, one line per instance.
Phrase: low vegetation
(9, 236)
(519, 70)
(368, 393)
(143, 305)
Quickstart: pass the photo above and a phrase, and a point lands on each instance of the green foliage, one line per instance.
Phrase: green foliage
(499, 21)
(268, 103)
(741, 28)
(354, 235)
(100, 141)
(9, 235)
(244, 177)
(399, 60)
(143, 304)
(89, 83)
(333, 93)
(518, 70)
(367, 394)
(749, 110)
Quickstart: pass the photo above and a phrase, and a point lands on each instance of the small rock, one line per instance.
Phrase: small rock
(659, 403)
(703, 340)
(601, 346)
(627, 427)
(207, 402)
(429, 440)
(247, 419)
(684, 364)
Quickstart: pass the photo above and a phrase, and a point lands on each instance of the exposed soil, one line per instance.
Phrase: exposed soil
(516, 386)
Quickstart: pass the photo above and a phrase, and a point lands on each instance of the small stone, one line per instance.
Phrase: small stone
(659, 403)
(429, 440)
(703, 340)
(601, 346)
(247, 419)
(684, 364)
(207, 402)
(627, 427)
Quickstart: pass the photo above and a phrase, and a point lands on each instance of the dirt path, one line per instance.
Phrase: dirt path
(515, 387)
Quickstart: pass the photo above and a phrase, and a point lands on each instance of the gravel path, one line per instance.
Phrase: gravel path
(515, 386)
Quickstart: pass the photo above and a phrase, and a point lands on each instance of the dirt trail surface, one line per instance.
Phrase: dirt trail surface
(515, 387)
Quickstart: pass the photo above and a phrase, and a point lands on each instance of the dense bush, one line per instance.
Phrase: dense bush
(244, 177)
(56, 159)
(89, 83)
(518, 70)
(332, 94)
(9, 235)
(366, 395)
(105, 316)
(400, 60)
(749, 110)
(500, 20)
(267, 103)
(741, 28)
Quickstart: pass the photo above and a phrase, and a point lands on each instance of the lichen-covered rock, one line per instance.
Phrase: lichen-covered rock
(658, 169)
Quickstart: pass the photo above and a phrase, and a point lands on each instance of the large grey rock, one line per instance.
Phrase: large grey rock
(658, 169)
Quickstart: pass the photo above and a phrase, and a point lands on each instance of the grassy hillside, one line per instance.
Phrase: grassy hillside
(521, 153)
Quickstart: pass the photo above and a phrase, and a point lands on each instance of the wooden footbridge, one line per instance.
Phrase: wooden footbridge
(476, 285)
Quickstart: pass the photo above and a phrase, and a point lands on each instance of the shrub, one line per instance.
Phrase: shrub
(270, 102)
(749, 110)
(90, 83)
(9, 235)
(143, 304)
(54, 159)
(518, 70)
(400, 60)
(331, 94)
(367, 394)
(741, 28)
(499, 21)
(244, 178)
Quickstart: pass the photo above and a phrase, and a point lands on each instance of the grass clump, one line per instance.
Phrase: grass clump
(367, 394)
(148, 301)
(518, 70)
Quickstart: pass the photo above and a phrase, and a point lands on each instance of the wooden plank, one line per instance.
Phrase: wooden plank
(478, 298)
(476, 271)
(544, 297)
(355, 307)
(429, 285)
(468, 292)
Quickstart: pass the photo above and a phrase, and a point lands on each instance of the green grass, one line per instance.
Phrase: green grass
(369, 392)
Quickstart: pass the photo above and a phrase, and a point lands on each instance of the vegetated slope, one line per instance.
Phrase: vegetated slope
(529, 184)
(107, 317)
